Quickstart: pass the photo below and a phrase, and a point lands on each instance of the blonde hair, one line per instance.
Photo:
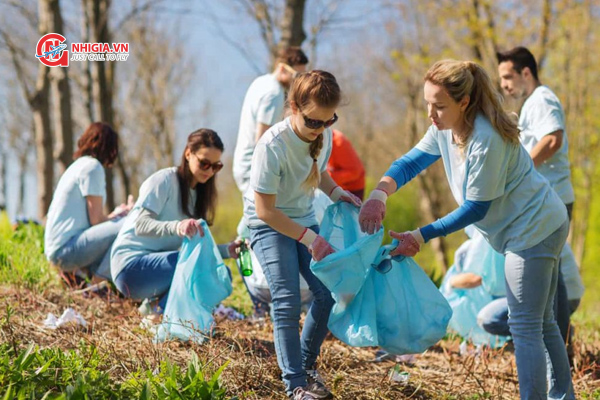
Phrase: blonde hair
(466, 78)
(321, 88)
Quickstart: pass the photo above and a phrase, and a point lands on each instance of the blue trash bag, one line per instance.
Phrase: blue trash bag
(201, 281)
(486, 262)
(401, 311)
(466, 304)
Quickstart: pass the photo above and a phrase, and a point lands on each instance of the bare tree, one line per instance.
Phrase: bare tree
(17, 120)
(154, 90)
(36, 91)
(61, 91)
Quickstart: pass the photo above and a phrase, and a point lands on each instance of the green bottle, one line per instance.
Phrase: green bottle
(244, 260)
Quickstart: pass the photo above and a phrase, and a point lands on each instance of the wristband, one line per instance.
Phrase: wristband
(379, 194)
(307, 237)
(418, 236)
(336, 193)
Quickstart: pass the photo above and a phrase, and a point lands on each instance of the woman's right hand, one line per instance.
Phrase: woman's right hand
(372, 212)
(189, 227)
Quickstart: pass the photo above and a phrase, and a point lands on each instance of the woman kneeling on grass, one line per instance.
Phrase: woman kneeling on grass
(171, 201)
(289, 162)
(78, 235)
(498, 189)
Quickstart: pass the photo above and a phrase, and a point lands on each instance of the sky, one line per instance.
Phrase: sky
(213, 33)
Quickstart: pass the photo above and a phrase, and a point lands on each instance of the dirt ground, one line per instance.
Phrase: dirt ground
(351, 373)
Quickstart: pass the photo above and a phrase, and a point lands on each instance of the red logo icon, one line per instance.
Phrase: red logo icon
(52, 50)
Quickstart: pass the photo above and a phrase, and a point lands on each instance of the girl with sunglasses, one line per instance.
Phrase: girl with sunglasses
(493, 179)
(289, 163)
(170, 202)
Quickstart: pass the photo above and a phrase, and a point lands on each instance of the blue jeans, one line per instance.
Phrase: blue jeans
(493, 317)
(283, 260)
(531, 281)
(148, 276)
(90, 249)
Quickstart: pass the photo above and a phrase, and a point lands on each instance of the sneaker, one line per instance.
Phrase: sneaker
(316, 385)
(309, 392)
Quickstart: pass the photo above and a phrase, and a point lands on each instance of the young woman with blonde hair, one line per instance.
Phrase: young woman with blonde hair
(493, 180)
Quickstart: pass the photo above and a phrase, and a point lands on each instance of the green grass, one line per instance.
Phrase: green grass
(82, 373)
(22, 260)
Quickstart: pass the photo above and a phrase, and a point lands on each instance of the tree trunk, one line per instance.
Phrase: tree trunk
(3, 180)
(88, 102)
(292, 24)
(21, 186)
(61, 96)
(101, 89)
(40, 107)
(43, 140)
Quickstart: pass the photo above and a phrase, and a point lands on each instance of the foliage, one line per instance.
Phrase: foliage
(22, 260)
(83, 374)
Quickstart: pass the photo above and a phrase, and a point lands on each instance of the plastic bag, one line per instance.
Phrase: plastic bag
(466, 304)
(486, 262)
(201, 281)
(402, 311)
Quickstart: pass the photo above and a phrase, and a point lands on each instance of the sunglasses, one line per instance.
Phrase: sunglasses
(317, 123)
(206, 165)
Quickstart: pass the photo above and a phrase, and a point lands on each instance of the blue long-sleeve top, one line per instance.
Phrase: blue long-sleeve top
(404, 169)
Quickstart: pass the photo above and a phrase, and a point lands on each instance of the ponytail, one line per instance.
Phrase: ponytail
(314, 177)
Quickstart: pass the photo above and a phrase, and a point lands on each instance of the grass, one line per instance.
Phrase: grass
(113, 358)
(22, 260)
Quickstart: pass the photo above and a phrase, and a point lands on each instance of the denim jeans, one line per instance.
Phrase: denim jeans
(90, 249)
(283, 260)
(148, 276)
(531, 281)
(493, 317)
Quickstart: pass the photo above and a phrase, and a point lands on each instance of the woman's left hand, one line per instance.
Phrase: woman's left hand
(409, 243)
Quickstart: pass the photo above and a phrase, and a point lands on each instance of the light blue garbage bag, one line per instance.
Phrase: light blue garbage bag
(466, 304)
(201, 281)
(483, 260)
(401, 311)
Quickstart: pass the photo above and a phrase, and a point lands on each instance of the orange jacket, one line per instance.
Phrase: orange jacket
(344, 166)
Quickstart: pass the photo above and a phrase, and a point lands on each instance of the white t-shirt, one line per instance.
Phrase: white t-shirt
(160, 193)
(263, 104)
(524, 209)
(68, 213)
(541, 115)
(280, 165)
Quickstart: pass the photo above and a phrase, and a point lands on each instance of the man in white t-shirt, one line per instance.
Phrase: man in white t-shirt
(544, 136)
(263, 107)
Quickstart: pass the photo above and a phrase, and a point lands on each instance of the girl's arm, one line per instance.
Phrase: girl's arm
(335, 192)
(266, 211)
